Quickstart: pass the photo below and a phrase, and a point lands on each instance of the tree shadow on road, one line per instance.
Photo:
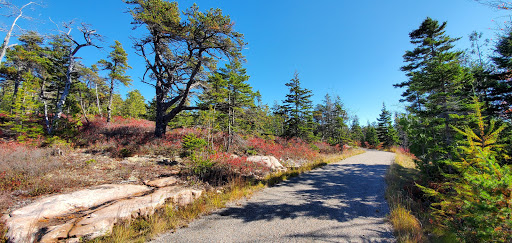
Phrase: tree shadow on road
(339, 192)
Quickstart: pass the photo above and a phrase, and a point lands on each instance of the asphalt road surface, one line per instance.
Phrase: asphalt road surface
(340, 202)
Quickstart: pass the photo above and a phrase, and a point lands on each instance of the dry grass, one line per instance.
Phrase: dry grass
(407, 227)
(400, 179)
(27, 172)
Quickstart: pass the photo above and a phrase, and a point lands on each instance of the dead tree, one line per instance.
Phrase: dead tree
(89, 36)
(5, 44)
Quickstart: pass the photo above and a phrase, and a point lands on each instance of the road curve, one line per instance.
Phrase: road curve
(340, 202)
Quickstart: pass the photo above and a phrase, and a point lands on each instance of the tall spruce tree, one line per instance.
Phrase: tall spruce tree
(297, 108)
(434, 89)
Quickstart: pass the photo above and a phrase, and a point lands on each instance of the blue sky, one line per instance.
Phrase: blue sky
(352, 49)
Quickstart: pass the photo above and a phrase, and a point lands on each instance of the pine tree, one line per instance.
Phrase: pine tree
(330, 117)
(134, 105)
(435, 87)
(117, 66)
(68, 47)
(370, 136)
(385, 130)
(184, 50)
(25, 105)
(476, 202)
(229, 93)
(500, 95)
(356, 133)
(297, 109)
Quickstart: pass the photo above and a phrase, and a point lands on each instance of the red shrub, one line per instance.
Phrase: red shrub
(128, 136)
(297, 149)
(265, 147)
(326, 148)
(282, 148)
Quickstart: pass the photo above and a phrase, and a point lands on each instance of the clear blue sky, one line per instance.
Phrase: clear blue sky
(348, 48)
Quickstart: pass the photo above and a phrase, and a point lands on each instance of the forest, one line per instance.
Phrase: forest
(456, 122)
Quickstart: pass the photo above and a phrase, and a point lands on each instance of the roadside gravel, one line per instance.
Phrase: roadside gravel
(340, 202)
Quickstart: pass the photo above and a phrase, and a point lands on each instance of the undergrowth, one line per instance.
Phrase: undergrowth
(400, 194)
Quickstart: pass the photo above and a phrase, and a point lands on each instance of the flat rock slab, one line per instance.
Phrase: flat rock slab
(162, 182)
(102, 221)
(23, 223)
(340, 202)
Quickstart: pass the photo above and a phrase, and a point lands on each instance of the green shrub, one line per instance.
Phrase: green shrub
(191, 143)
(91, 161)
(125, 152)
(201, 166)
(314, 147)
(251, 151)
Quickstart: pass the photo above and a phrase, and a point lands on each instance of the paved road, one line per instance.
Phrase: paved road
(341, 202)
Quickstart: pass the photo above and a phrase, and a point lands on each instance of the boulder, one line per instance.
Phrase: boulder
(58, 232)
(290, 163)
(162, 182)
(23, 224)
(269, 161)
(102, 221)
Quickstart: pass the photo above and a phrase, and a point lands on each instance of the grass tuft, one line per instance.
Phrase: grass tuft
(407, 227)
(399, 193)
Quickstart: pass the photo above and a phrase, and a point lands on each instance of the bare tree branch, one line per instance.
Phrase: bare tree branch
(89, 36)
(5, 44)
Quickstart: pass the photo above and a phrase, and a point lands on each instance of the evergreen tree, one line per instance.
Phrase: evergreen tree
(117, 66)
(356, 133)
(70, 49)
(474, 203)
(330, 117)
(385, 130)
(117, 105)
(435, 87)
(24, 106)
(230, 94)
(500, 95)
(278, 119)
(371, 139)
(184, 51)
(134, 105)
(21, 60)
(297, 109)
(97, 90)
(151, 110)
